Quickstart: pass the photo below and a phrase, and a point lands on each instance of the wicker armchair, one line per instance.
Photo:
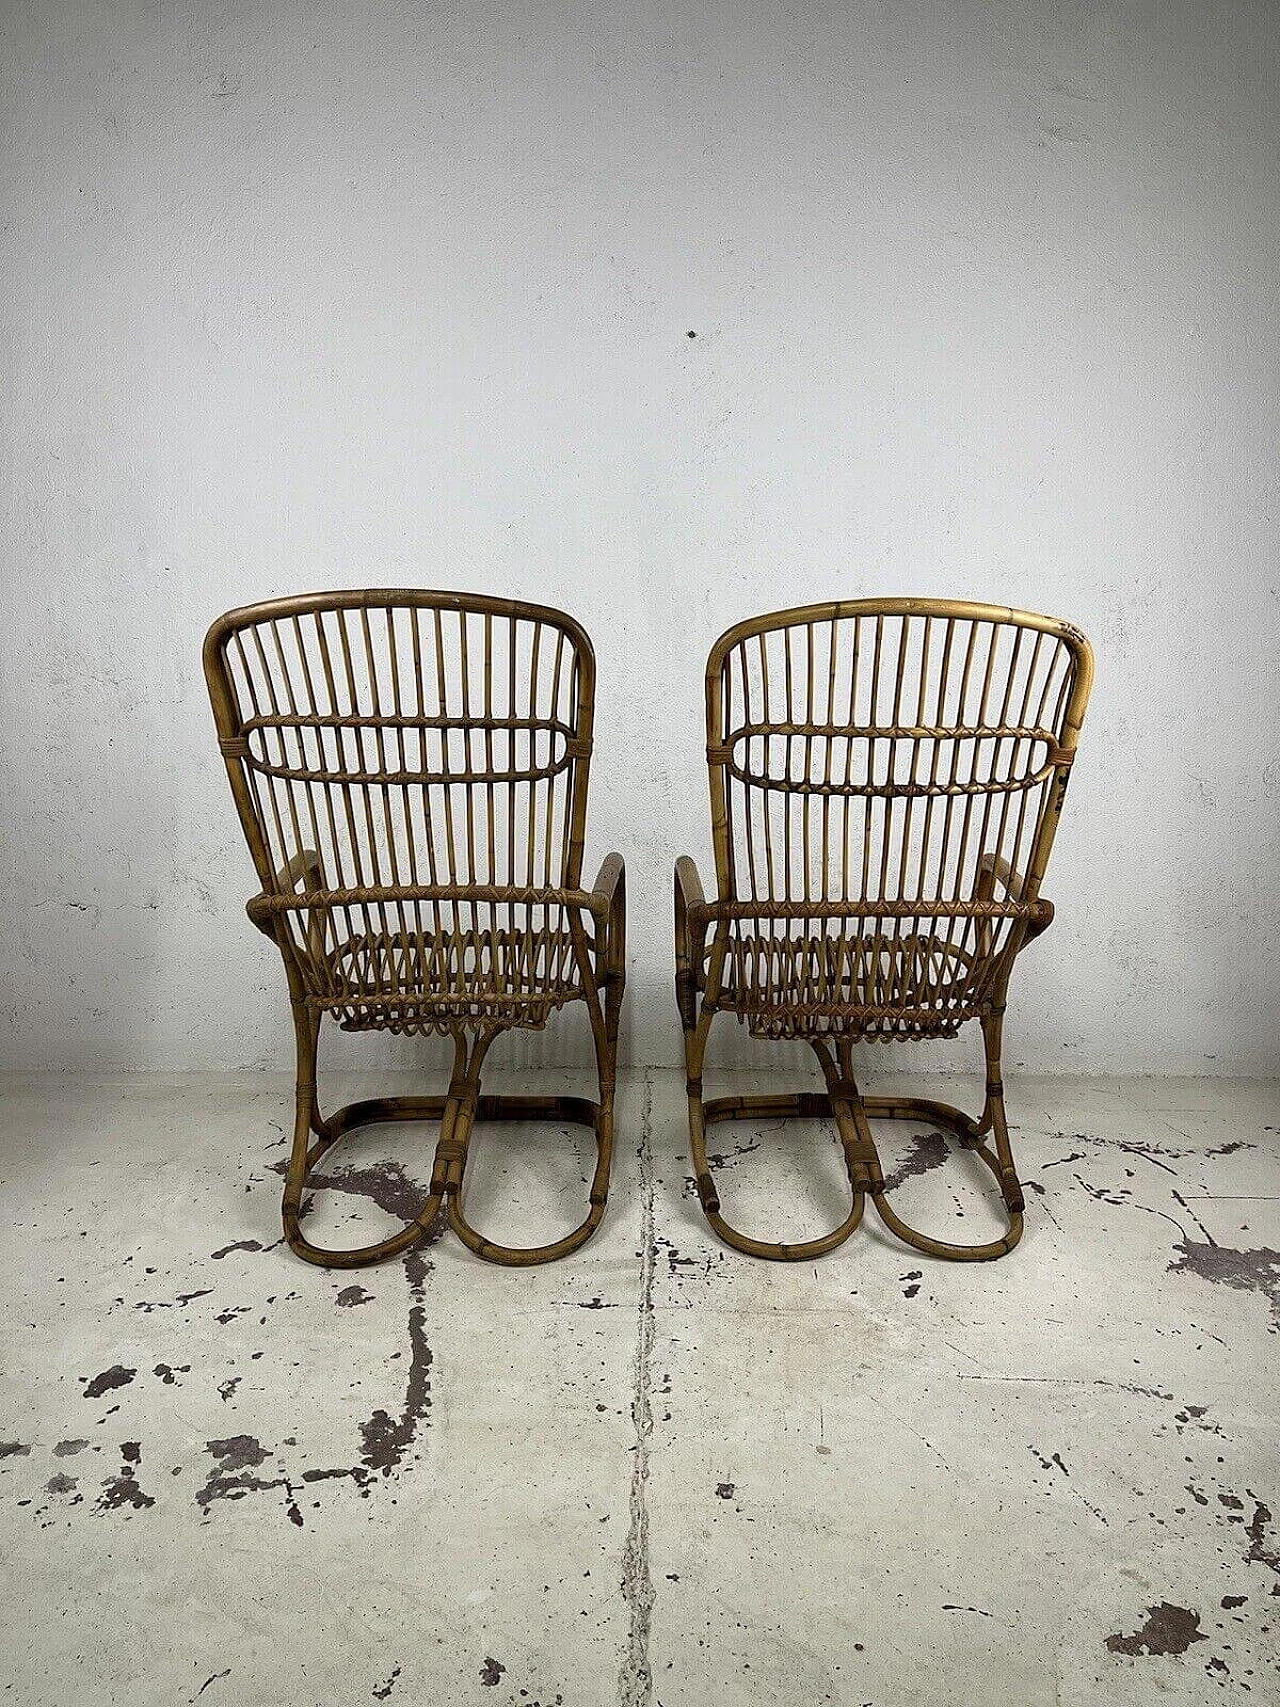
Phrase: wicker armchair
(886, 780)
(411, 772)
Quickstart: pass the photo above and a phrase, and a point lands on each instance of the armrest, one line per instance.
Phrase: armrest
(610, 892)
(612, 872)
(689, 892)
(690, 936)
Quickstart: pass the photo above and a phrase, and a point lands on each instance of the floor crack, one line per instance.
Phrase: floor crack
(635, 1681)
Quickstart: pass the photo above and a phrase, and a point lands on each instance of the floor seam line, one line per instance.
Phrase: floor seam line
(635, 1679)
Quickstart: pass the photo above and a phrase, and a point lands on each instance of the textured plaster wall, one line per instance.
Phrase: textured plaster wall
(666, 314)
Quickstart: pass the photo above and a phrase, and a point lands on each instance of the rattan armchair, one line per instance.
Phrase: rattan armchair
(410, 770)
(886, 781)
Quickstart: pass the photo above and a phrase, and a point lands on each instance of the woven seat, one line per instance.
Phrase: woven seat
(886, 781)
(411, 774)
(849, 983)
(442, 979)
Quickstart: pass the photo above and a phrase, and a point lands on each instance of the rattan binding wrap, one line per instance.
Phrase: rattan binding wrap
(411, 772)
(886, 780)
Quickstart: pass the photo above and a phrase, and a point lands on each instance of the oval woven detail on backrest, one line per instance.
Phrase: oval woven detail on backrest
(423, 750)
(818, 759)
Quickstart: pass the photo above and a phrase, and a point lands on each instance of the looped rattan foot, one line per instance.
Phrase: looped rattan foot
(971, 1135)
(358, 1114)
(576, 1110)
(456, 1115)
(801, 1105)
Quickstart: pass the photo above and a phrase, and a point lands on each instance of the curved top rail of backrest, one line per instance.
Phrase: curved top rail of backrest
(407, 734)
(293, 606)
(881, 748)
(964, 610)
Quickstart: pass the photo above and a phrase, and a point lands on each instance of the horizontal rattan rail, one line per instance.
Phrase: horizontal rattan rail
(705, 912)
(410, 769)
(874, 879)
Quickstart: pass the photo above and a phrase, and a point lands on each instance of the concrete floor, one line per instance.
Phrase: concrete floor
(657, 1472)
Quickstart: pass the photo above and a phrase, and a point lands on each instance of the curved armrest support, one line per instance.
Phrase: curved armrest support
(691, 929)
(303, 866)
(993, 868)
(609, 893)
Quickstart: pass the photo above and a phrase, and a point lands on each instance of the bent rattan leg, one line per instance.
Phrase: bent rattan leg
(577, 1110)
(305, 1155)
(802, 1104)
(971, 1133)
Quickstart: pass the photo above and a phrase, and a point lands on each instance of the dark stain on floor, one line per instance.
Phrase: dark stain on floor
(216, 1678)
(243, 1245)
(386, 1185)
(14, 1449)
(387, 1439)
(1192, 1416)
(147, 1305)
(1259, 1552)
(240, 1452)
(116, 1376)
(724, 1158)
(122, 1489)
(928, 1150)
(1054, 1461)
(383, 1690)
(1168, 1630)
(491, 1673)
(1246, 1271)
(237, 1459)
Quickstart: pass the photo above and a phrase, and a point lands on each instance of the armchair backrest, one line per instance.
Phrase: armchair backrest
(882, 749)
(409, 738)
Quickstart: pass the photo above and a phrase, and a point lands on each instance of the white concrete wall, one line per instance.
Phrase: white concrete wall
(311, 295)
